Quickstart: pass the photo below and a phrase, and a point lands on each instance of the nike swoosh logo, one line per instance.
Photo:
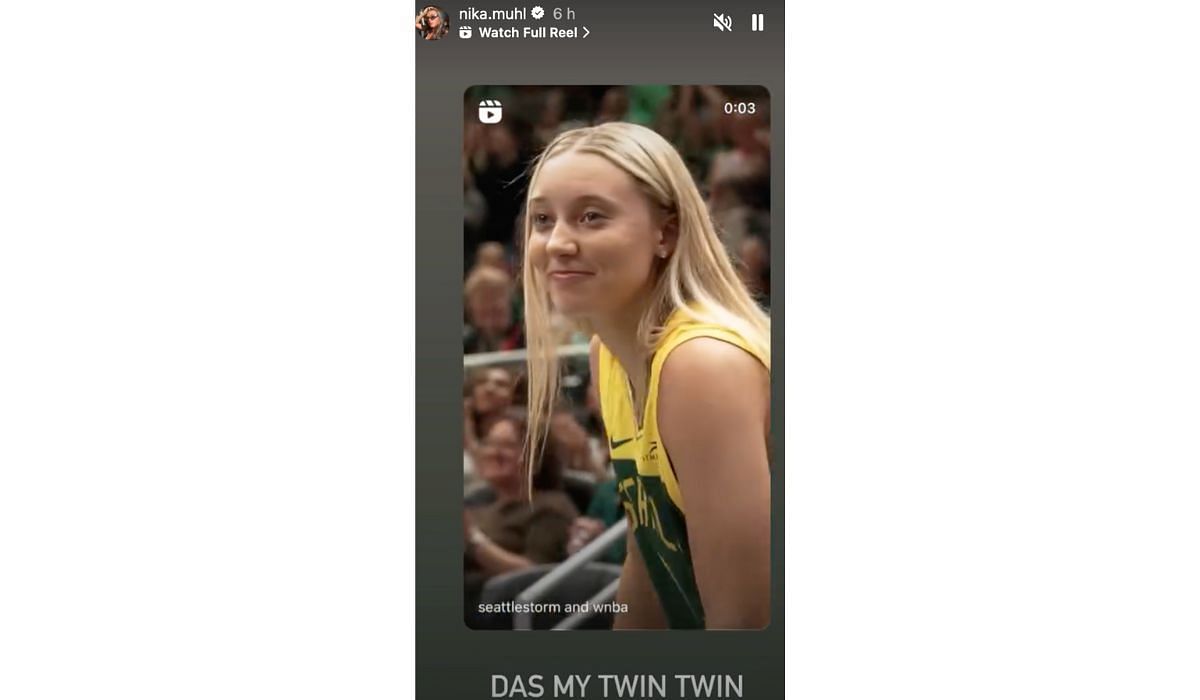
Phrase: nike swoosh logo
(614, 444)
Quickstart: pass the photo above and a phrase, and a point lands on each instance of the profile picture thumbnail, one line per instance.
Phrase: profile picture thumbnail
(433, 23)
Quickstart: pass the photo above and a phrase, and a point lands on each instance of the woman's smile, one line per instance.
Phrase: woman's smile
(566, 276)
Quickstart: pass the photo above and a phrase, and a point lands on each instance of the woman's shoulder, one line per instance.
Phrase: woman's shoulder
(711, 360)
(712, 397)
(716, 340)
(708, 377)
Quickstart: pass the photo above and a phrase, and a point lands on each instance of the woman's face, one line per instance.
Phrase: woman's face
(434, 18)
(494, 392)
(499, 458)
(489, 310)
(593, 235)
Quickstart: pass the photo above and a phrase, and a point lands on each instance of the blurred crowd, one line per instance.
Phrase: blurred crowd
(574, 493)
(574, 496)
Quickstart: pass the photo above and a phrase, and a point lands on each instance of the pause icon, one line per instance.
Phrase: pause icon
(756, 22)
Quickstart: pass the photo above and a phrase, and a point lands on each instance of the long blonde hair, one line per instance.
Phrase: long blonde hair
(698, 277)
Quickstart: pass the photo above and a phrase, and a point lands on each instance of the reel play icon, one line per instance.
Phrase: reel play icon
(490, 111)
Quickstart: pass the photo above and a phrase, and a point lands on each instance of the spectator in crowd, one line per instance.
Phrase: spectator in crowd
(554, 110)
(613, 106)
(492, 254)
(526, 523)
(490, 324)
(488, 393)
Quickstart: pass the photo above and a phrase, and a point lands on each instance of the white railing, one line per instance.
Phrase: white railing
(509, 357)
(606, 595)
(590, 552)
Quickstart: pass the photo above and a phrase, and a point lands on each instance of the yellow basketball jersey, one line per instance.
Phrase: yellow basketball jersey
(645, 478)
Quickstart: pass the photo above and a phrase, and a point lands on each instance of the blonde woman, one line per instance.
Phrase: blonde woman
(619, 240)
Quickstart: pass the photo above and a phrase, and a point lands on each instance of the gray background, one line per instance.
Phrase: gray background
(630, 43)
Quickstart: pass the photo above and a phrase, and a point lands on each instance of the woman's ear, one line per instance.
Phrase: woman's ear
(668, 236)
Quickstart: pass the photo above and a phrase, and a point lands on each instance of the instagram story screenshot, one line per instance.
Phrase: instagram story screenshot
(599, 349)
(599, 220)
